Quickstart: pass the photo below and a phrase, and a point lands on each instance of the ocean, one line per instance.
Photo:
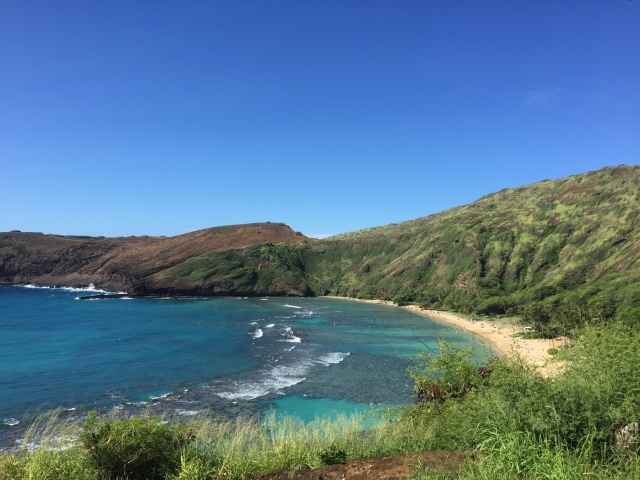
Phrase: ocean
(229, 356)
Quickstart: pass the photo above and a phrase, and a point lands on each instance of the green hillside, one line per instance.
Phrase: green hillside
(573, 240)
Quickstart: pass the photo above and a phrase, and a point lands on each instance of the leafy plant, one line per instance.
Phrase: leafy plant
(451, 373)
(137, 448)
(404, 296)
(333, 455)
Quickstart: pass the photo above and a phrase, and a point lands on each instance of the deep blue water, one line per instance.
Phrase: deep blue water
(232, 356)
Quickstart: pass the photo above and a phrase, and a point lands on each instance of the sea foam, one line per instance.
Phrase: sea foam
(290, 337)
(257, 333)
(91, 288)
(333, 358)
(278, 378)
(188, 413)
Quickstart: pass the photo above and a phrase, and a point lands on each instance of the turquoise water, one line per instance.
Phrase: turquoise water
(308, 409)
(303, 356)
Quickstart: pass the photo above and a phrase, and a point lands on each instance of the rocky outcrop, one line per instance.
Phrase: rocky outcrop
(119, 263)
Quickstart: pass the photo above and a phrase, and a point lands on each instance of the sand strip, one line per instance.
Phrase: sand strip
(499, 337)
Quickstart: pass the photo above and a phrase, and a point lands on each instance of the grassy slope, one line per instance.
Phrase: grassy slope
(577, 234)
(263, 269)
(566, 238)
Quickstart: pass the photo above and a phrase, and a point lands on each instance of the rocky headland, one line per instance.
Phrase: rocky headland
(119, 264)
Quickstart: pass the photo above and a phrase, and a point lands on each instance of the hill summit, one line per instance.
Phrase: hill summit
(119, 263)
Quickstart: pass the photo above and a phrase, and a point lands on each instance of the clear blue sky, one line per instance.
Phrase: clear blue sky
(158, 117)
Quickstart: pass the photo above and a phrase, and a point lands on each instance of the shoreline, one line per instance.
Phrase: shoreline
(498, 337)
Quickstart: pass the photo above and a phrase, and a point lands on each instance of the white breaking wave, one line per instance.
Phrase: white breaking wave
(290, 337)
(293, 339)
(257, 333)
(290, 306)
(278, 378)
(91, 288)
(271, 325)
(188, 412)
(159, 397)
(10, 421)
(332, 358)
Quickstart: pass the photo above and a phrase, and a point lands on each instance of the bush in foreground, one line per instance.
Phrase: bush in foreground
(136, 449)
(525, 425)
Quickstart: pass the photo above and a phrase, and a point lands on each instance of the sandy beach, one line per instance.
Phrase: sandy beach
(498, 336)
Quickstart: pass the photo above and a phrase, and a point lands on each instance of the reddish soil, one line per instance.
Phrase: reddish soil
(393, 467)
(115, 263)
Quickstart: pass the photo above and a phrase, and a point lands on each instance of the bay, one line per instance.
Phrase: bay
(229, 356)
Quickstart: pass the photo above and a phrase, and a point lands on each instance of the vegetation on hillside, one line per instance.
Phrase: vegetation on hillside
(264, 269)
(566, 242)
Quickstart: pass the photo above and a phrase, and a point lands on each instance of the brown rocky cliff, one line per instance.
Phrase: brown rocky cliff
(117, 263)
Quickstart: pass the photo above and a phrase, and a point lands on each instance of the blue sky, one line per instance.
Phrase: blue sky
(159, 118)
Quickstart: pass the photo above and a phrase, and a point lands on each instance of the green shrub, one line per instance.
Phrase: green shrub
(333, 455)
(10, 467)
(404, 296)
(552, 351)
(595, 395)
(450, 374)
(137, 448)
(529, 335)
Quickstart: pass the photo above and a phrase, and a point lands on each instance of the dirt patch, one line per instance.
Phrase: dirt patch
(391, 467)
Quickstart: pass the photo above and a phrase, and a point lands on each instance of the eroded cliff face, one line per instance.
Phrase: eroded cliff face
(119, 263)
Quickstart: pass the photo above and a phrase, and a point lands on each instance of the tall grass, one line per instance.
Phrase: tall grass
(222, 449)
(520, 455)
(244, 448)
(48, 451)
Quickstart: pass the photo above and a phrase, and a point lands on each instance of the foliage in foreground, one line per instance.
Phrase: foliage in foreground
(519, 424)
(524, 425)
(238, 449)
(137, 449)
